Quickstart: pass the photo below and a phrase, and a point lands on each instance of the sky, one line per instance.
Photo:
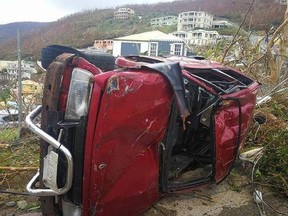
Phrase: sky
(52, 10)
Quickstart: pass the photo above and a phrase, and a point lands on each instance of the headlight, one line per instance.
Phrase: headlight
(79, 94)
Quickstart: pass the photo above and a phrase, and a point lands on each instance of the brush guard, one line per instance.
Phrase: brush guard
(50, 162)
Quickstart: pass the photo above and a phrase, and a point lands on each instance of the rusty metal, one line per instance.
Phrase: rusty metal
(50, 103)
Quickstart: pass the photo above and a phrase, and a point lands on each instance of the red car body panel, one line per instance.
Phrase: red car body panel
(231, 124)
(124, 164)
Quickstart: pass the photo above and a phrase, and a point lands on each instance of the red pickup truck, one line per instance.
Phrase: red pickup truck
(113, 141)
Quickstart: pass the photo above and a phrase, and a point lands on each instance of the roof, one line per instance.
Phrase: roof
(29, 82)
(150, 36)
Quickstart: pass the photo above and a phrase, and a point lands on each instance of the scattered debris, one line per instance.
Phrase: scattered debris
(11, 204)
(22, 204)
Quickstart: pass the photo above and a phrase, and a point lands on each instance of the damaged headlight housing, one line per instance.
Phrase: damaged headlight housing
(79, 94)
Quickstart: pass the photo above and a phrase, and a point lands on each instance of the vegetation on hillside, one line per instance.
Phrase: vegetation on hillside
(81, 29)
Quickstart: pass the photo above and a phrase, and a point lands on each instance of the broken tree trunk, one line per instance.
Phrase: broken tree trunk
(276, 61)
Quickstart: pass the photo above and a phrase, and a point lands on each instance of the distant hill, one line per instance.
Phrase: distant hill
(81, 29)
(10, 30)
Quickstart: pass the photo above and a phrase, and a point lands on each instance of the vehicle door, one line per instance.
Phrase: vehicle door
(124, 167)
(231, 120)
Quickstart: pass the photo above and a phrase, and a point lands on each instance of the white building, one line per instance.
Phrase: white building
(198, 37)
(26, 69)
(194, 19)
(153, 43)
(162, 21)
(124, 13)
(181, 34)
(103, 45)
(220, 23)
(202, 37)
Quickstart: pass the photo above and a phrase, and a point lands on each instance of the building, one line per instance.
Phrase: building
(202, 37)
(198, 37)
(162, 21)
(220, 23)
(4, 76)
(11, 67)
(124, 13)
(153, 43)
(181, 34)
(103, 45)
(194, 19)
(32, 93)
(31, 87)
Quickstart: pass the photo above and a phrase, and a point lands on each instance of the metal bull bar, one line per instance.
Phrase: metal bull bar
(57, 145)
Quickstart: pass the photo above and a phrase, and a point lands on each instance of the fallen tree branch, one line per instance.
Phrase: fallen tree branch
(18, 169)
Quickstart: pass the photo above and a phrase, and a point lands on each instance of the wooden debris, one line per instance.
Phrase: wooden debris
(4, 145)
(18, 169)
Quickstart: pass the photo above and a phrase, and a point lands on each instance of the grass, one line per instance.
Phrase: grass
(8, 135)
(18, 153)
(272, 169)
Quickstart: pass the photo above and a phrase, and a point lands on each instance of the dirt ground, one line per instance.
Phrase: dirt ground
(234, 196)
(223, 200)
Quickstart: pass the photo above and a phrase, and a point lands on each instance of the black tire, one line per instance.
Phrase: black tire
(103, 61)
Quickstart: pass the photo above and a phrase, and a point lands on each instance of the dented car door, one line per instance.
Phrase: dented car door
(131, 123)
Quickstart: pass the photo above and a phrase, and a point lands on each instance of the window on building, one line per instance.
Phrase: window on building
(153, 49)
(177, 49)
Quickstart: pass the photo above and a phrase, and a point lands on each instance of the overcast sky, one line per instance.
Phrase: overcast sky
(51, 10)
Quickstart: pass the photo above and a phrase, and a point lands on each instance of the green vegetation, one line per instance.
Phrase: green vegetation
(4, 95)
(8, 135)
(230, 31)
(272, 169)
(17, 154)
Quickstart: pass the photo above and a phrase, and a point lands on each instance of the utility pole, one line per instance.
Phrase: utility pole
(19, 83)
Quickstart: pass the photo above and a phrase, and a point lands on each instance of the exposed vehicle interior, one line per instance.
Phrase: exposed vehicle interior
(188, 154)
(188, 149)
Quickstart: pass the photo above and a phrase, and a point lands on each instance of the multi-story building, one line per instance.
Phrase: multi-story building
(202, 37)
(198, 37)
(181, 34)
(167, 20)
(124, 13)
(26, 70)
(190, 20)
(103, 45)
(220, 23)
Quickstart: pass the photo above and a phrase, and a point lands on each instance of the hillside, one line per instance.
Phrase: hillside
(81, 29)
(10, 30)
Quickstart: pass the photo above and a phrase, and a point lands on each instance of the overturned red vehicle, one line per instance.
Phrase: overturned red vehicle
(113, 141)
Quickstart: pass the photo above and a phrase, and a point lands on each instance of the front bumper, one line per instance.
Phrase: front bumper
(50, 166)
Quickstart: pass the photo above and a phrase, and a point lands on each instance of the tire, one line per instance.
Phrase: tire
(103, 61)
